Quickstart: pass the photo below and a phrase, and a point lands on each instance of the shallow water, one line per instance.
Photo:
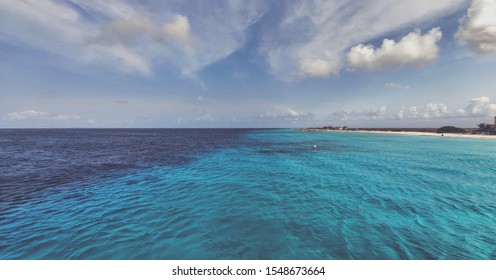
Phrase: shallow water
(244, 194)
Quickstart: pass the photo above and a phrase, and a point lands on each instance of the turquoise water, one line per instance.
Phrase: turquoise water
(269, 195)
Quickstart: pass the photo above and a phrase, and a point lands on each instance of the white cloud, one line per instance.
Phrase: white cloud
(138, 30)
(435, 110)
(478, 28)
(287, 115)
(428, 111)
(326, 29)
(397, 86)
(480, 107)
(413, 49)
(205, 117)
(40, 115)
(132, 43)
(407, 113)
(40, 24)
(125, 58)
(318, 67)
(107, 8)
(131, 36)
(300, 39)
(179, 28)
(377, 114)
(28, 114)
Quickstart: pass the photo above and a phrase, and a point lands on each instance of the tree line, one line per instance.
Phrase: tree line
(486, 128)
(483, 128)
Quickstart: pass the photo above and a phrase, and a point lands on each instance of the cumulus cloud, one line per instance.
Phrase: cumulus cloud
(478, 27)
(287, 115)
(413, 49)
(377, 114)
(397, 86)
(480, 107)
(326, 29)
(407, 113)
(40, 115)
(428, 111)
(299, 39)
(435, 110)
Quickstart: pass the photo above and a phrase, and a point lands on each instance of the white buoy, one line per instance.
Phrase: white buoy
(314, 147)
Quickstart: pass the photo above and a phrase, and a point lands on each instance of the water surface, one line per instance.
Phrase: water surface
(244, 194)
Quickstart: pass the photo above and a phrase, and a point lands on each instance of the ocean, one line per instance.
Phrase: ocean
(230, 194)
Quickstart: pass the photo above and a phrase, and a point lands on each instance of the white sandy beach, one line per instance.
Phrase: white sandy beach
(433, 134)
(430, 134)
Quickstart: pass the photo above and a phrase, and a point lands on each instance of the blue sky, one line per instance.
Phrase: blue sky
(257, 63)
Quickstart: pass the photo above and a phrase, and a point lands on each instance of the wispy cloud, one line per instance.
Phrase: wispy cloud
(131, 36)
(303, 38)
(313, 36)
(286, 115)
(318, 67)
(127, 40)
(478, 28)
(205, 117)
(397, 86)
(40, 115)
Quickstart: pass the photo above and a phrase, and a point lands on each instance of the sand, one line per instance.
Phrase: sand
(430, 134)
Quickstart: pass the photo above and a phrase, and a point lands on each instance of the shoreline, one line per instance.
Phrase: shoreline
(411, 133)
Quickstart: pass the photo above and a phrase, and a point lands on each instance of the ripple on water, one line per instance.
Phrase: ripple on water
(265, 195)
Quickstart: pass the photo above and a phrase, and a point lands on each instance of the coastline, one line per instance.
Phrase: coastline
(412, 133)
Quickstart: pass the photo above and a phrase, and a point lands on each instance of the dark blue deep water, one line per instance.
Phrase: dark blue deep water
(244, 194)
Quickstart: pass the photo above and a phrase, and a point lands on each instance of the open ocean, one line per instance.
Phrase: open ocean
(244, 194)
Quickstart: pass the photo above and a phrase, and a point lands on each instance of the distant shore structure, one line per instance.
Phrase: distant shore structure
(483, 128)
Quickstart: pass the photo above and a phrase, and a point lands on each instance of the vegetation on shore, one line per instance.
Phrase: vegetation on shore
(485, 128)
(451, 129)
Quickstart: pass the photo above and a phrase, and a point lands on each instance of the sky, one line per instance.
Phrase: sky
(256, 63)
